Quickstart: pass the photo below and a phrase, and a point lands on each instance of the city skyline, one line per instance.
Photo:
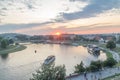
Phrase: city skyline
(69, 16)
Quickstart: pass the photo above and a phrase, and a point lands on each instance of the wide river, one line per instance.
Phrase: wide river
(20, 65)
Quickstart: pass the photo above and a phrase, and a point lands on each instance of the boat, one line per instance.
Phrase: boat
(75, 44)
(93, 49)
(49, 59)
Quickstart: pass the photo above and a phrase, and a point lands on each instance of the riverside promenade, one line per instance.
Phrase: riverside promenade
(100, 74)
(97, 75)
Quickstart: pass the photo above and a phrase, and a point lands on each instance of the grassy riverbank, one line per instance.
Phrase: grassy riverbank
(117, 49)
(12, 48)
(108, 54)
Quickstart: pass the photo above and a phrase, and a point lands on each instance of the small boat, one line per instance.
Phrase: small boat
(49, 59)
(35, 51)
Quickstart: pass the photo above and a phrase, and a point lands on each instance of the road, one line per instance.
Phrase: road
(114, 54)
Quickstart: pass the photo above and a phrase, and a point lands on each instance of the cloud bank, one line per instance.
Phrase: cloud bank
(69, 16)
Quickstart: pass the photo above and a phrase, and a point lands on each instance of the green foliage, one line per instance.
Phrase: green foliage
(50, 72)
(110, 62)
(88, 69)
(111, 45)
(7, 41)
(118, 40)
(79, 68)
(22, 37)
(12, 48)
(93, 68)
(78, 38)
(0, 39)
(96, 65)
(11, 41)
(4, 43)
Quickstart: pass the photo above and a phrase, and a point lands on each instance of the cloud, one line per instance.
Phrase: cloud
(14, 27)
(44, 17)
(35, 11)
(111, 12)
(78, 30)
(77, 26)
(106, 29)
(95, 7)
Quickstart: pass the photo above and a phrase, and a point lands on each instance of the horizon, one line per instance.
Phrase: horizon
(34, 17)
(60, 34)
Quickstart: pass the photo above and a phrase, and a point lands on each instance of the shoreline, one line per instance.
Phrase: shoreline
(14, 48)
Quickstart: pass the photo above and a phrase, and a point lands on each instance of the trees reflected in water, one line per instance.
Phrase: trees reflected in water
(4, 56)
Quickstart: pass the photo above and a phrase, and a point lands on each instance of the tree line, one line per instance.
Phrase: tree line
(5, 42)
(95, 66)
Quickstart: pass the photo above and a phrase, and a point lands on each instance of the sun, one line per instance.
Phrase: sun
(58, 33)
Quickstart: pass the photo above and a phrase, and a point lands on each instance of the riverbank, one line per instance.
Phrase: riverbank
(106, 74)
(12, 48)
(109, 53)
(114, 77)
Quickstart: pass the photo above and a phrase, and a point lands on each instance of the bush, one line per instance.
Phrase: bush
(4, 44)
(111, 45)
(11, 41)
(93, 68)
(0, 39)
(87, 69)
(95, 65)
(79, 68)
(50, 72)
(110, 62)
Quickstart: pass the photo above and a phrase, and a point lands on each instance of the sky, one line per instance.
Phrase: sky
(36, 17)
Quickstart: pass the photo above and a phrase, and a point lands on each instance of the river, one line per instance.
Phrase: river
(20, 65)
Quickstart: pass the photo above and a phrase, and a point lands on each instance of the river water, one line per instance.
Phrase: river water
(20, 65)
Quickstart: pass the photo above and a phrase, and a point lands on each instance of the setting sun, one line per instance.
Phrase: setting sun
(58, 33)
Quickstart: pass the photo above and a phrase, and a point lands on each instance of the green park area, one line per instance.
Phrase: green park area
(12, 48)
(9, 46)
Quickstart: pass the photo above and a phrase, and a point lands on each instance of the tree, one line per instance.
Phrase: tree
(0, 39)
(7, 41)
(110, 62)
(93, 68)
(4, 44)
(79, 68)
(96, 65)
(22, 37)
(11, 41)
(50, 72)
(118, 40)
(111, 45)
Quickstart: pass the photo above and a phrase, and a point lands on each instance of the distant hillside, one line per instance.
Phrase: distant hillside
(14, 36)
